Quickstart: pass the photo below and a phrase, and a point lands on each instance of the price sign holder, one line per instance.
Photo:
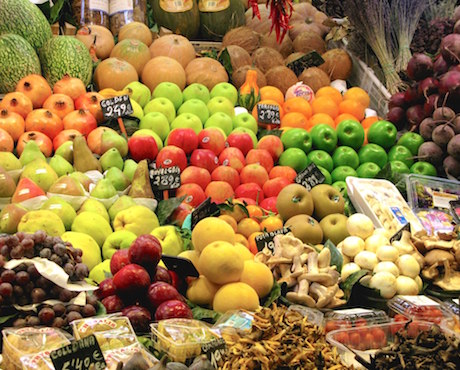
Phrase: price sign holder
(399, 233)
(268, 114)
(266, 239)
(215, 351)
(117, 107)
(182, 266)
(455, 210)
(79, 355)
(205, 209)
(312, 59)
(310, 177)
(165, 179)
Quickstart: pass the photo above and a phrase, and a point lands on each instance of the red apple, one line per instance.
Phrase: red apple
(173, 309)
(283, 171)
(162, 274)
(119, 259)
(204, 158)
(260, 156)
(250, 190)
(254, 173)
(273, 186)
(213, 139)
(145, 251)
(131, 280)
(227, 174)
(160, 292)
(142, 147)
(240, 140)
(273, 144)
(232, 157)
(171, 156)
(181, 213)
(219, 191)
(194, 195)
(63, 136)
(269, 204)
(195, 175)
(106, 288)
(184, 138)
(112, 303)
(139, 317)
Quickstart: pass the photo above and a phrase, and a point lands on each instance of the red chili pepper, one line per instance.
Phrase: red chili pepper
(255, 8)
(280, 14)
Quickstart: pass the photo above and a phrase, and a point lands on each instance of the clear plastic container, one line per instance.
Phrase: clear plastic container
(113, 357)
(451, 307)
(234, 324)
(181, 339)
(314, 316)
(353, 317)
(451, 326)
(417, 307)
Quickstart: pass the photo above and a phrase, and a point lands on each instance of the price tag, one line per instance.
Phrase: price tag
(312, 59)
(353, 311)
(399, 233)
(215, 351)
(79, 355)
(266, 239)
(205, 209)
(268, 114)
(116, 107)
(310, 177)
(182, 266)
(165, 178)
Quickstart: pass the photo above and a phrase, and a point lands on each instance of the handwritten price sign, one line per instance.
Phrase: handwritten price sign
(116, 107)
(268, 114)
(165, 178)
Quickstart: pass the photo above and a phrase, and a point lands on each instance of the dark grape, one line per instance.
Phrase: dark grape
(22, 301)
(21, 267)
(43, 282)
(73, 307)
(65, 259)
(2, 261)
(38, 295)
(88, 310)
(6, 290)
(8, 276)
(29, 253)
(33, 272)
(69, 269)
(56, 259)
(1, 300)
(2, 240)
(39, 236)
(29, 287)
(33, 321)
(12, 241)
(71, 316)
(20, 235)
(27, 243)
(78, 259)
(59, 309)
(19, 323)
(58, 322)
(78, 252)
(66, 295)
(5, 250)
(45, 253)
(91, 299)
(22, 278)
(81, 270)
(60, 249)
(46, 315)
(18, 291)
(17, 252)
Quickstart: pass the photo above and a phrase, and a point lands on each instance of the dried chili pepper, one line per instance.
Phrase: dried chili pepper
(255, 8)
(280, 14)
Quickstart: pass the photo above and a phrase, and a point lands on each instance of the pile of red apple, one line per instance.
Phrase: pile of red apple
(141, 289)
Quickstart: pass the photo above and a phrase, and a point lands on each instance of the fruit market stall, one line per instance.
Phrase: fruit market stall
(227, 185)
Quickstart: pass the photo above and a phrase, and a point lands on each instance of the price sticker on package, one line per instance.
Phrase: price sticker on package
(268, 114)
(165, 178)
(310, 177)
(266, 239)
(118, 106)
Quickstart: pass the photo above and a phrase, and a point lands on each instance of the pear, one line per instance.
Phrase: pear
(10, 217)
(130, 168)
(66, 151)
(83, 179)
(137, 219)
(7, 184)
(30, 153)
(140, 185)
(67, 185)
(111, 158)
(120, 204)
(44, 220)
(41, 173)
(9, 161)
(103, 190)
(111, 139)
(92, 224)
(62, 209)
(93, 205)
(26, 189)
(60, 165)
(91, 251)
(83, 159)
(118, 179)
(100, 272)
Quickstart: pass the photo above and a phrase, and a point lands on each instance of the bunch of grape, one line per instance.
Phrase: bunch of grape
(22, 245)
(428, 35)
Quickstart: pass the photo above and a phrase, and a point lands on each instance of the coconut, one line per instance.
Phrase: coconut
(292, 57)
(285, 48)
(281, 77)
(242, 36)
(315, 78)
(267, 58)
(309, 41)
(239, 76)
(337, 64)
(238, 56)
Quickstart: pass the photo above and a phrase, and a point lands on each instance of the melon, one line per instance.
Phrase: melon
(65, 55)
(163, 69)
(206, 71)
(114, 73)
(133, 51)
(218, 17)
(174, 46)
(17, 60)
(23, 18)
(186, 23)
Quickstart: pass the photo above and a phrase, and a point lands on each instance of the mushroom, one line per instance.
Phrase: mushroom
(404, 245)
(313, 274)
(324, 258)
(438, 255)
(300, 294)
(286, 276)
(440, 244)
(324, 295)
(457, 255)
(451, 279)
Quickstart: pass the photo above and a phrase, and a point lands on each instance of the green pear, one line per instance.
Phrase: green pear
(91, 251)
(130, 168)
(140, 185)
(7, 184)
(9, 161)
(117, 240)
(44, 220)
(120, 204)
(66, 151)
(111, 139)
(83, 158)
(83, 179)
(60, 165)
(103, 190)
(67, 185)
(61, 208)
(118, 179)
(93, 205)
(10, 217)
(100, 272)
(92, 224)
(111, 158)
(41, 173)
(30, 153)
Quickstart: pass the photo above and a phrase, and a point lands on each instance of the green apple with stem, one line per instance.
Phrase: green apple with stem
(245, 120)
(157, 122)
(139, 92)
(226, 90)
(196, 91)
(187, 120)
(221, 120)
(221, 104)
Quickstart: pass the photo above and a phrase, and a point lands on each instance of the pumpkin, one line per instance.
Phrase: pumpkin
(206, 71)
(261, 25)
(285, 48)
(306, 18)
(248, 93)
(100, 37)
(136, 30)
(215, 24)
(309, 41)
(163, 69)
(186, 23)
(281, 77)
(135, 52)
(266, 58)
(315, 78)
(239, 76)
(238, 56)
(174, 46)
(242, 36)
(114, 73)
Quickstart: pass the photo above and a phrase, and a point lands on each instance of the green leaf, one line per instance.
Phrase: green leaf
(243, 208)
(56, 11)
(350, 281)
(336, 256)
(147, 342)
(186, 235)
(166, 208)
(200, 313)
(4, 319)
(274, 295)
(396, 178)
(100, 310)
(225, 60)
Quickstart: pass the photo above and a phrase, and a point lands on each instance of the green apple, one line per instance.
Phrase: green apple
(350, 133)
(171, 241)
(399, 167)
(148, 132)
(342, 187)
(249, 132)
(324, 137)
(345, 156)
(327, 175)
(373, 153)
(245, 120)
(295, 158)
(196, 91)
(221, 120)
(187, 120)
(423, 168)
(100, 272)
(226, 90)
(411, 141)
(139, 92)
(61, 208)
(169, 90)
(196, 107)
(138, 112)
(401, 153)
(321, 158)
(368, 170)
(382, 133)
(117, 240)
(342, 172)
(161, 105)
(221, 104)
(297, 138)
(157, 122)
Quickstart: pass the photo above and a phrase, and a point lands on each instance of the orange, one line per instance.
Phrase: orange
(318, 118)
(359, 95)
(242, 240)
(353, 107)
(367, 122)
(294, 119)
(298, 104)
(330, 92)
(271, 223)
(326, 105)
(247, 226)
(271, 93)
(254, 211)
(343, 116)
(230, 220)
(252, 241)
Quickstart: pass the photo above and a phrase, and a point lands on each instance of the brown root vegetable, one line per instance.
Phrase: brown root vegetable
(337, 64)
(266, 58)
(285, 48)
(309, 41)
(281, 77)
(239, 76)
(238, 56)
(315, 78)
(242, 36)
